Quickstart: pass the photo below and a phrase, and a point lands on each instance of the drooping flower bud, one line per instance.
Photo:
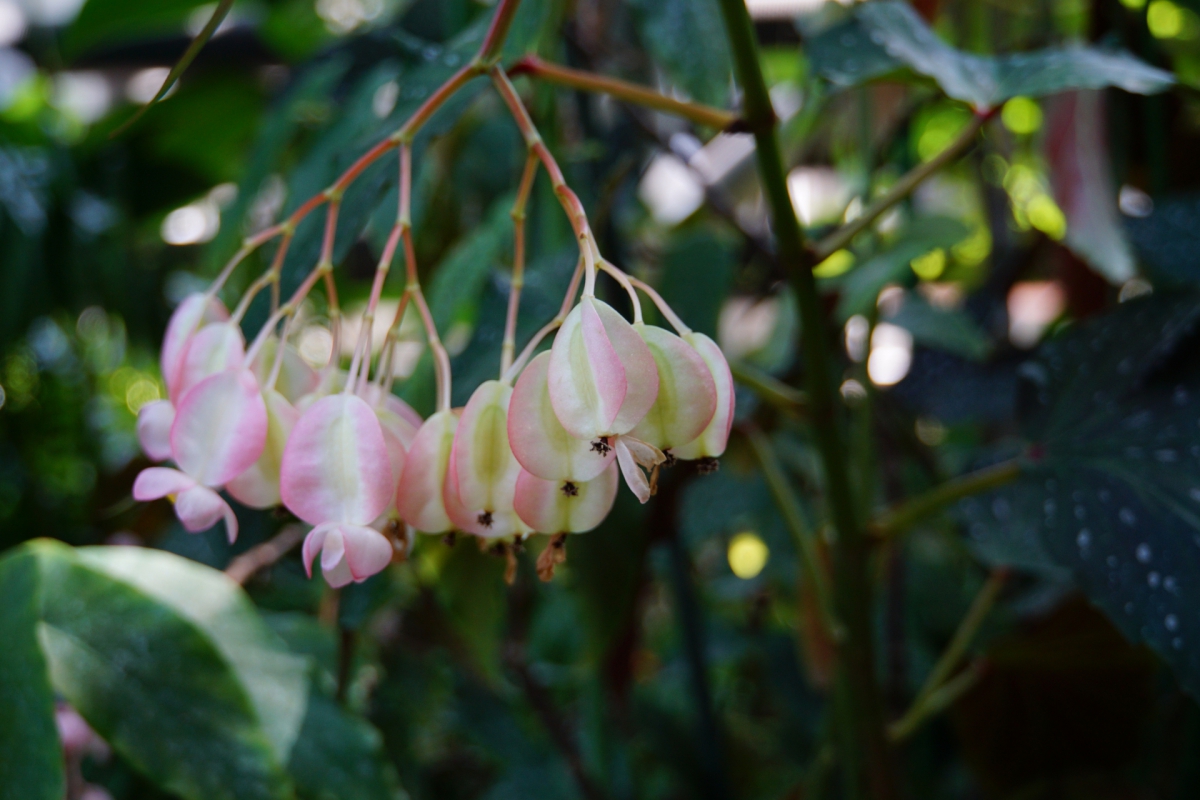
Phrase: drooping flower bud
(336, 475)
(195, 311)
(258, 486)
(687, 396)
(711, 442)
(539, 441)
(219, 431)
(154, 429)
(216, 347)
(482, 472)
(419, 497)
(565, 506)
(602, 377)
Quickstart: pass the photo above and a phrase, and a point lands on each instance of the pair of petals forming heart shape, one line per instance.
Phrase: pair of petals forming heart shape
(687, 394)
(218, 432)
(565, 506)
(336, 475)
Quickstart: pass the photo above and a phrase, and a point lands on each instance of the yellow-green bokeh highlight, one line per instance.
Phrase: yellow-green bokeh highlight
(747, 554)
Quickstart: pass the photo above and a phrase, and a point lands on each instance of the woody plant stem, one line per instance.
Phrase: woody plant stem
(863, 748)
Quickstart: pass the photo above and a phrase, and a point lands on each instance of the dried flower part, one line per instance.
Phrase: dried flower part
(482, 471)
(419, 498)
(687, 394)
(711, 442)
(554, 554)
(220, 428)
(154, 429)
(335, 467)
(296, 378)
(602, 377)
(214, 348)
(258, 486)
(196, 311)
(349, 553)
(565, 506)
(632, 456)
(539, 441)
(197, 507)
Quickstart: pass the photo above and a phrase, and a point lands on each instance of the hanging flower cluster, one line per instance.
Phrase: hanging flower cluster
(538, 450)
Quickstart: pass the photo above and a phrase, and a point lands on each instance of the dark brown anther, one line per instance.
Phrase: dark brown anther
(485, 519)
(671, 459)
(601, 446)
(449, 539)
(707, 466)
(570, 490)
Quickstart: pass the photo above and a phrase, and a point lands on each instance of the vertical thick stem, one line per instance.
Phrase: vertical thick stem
(493, 41)
(518, 270)
(863, 751)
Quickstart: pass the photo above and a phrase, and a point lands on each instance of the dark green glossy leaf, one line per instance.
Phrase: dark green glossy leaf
(1168, 239)
(698, 269)
(1112, 493)
(339, 756)
(169, 662)
(945, 329)
(893, 34)
(687, 38)
(31, 766)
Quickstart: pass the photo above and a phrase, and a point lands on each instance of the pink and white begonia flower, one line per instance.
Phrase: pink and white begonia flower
(711, 442)
(216, 347)
(420, 494)
(602, 376)
(196, 311)
(154, 429)
(482, 472)
(295, 379)
(258, 486)
(565, 506)
(336, 476)
(219, 432)
(539, 441)
(687, 395)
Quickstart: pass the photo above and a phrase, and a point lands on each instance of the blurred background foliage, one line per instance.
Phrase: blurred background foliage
(675, 654)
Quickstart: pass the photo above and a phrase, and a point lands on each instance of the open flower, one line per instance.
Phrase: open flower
(711, 442)
(219, 431)
(482, 472)
(419, 496)
(336, 476)
(565, 506)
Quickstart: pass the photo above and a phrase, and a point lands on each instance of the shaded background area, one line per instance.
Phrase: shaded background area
(675, 654)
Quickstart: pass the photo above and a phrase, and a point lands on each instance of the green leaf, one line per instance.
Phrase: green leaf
(168, 661)
(945, 329)
(896, 35)
(1112, 491)
(687, 38)
(698, 269)
(1168, 239)
(32, 765)
(109, 22)
(339, 756)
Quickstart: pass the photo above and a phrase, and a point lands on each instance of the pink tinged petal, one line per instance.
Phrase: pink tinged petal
(640, 369)
(220, 427)
(199, 508)
(631, 456)
(711, 442)
(335, 467)
(419, 495)
(296, 378)
(158, 482)
(377, 397)
(565, 506)
(154, 429)
(484, 466)
(367, 551)
(314, 543)
(489, 523)
(215, 348)
(194, 311)
(687, 394)
(587, 380)
(539, 441)
(258, 486)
